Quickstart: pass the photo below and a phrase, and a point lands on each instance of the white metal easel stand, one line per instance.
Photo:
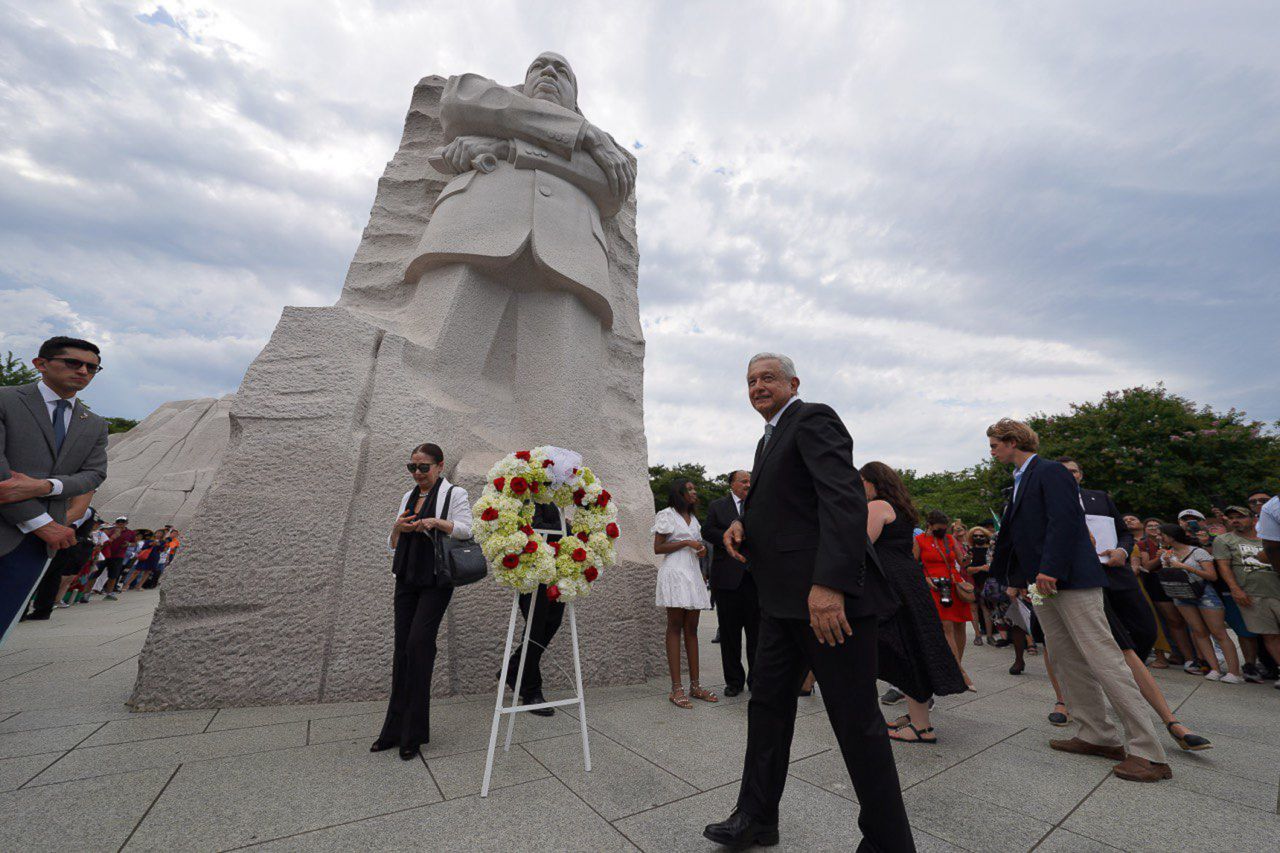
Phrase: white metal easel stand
(499, 709)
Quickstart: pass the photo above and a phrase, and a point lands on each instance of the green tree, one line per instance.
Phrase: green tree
(1157, 452)
(709, 488)
(972, 494)
(14, 371)
(115, 425)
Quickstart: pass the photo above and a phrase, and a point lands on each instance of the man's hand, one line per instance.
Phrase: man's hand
(1242, 598)
(460, 153)
(733, 540)
(56, 536)
(826, 615)
(615, 165)
(1114, 557)
(20, 487)
(1046, 584)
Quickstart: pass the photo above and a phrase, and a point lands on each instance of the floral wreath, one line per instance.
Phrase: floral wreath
(520, 557)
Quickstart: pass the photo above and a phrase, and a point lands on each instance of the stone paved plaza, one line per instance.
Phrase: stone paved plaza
(78, 771)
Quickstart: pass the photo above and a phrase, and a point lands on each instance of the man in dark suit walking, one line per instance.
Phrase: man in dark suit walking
(804, 527)
(52, 449)
(737, 604)
(1044, 541)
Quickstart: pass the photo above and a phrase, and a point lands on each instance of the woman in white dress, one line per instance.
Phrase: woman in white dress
(681, 589)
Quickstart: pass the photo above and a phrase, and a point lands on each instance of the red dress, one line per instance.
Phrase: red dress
(941, 559)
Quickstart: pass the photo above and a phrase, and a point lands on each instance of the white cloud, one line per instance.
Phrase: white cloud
(945, 213)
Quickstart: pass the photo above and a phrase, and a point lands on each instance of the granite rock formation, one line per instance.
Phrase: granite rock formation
(161, 469)
(284, 590)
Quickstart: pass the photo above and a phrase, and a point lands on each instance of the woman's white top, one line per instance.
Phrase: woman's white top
(459, 510)
(680, 581)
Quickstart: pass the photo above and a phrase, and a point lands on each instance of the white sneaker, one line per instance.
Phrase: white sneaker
(1232, 679)
(1189, 666)
(1213, 675)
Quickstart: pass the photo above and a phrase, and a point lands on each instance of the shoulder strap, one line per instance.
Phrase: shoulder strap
(448, 501)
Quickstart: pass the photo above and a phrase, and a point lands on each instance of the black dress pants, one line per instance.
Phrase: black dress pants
(739, 612)
(419, 611)
(546, 621)
(847, 675)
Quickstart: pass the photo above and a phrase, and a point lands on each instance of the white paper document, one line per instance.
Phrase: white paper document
(1103, 529)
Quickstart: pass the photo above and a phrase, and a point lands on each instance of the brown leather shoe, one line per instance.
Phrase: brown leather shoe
(1135, 769)
(1083, 747)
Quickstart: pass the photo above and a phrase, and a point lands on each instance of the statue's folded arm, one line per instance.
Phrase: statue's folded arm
(477, 106)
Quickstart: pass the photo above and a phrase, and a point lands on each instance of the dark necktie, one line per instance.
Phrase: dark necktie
(768, 431)
(60, 423)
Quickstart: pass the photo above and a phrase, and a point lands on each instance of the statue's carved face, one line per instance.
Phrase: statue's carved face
(550, 78)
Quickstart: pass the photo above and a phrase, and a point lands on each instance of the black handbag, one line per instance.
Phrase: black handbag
(1178, 584)
(458, 561)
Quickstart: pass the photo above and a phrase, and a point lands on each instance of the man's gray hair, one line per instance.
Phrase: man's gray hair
(788, 366)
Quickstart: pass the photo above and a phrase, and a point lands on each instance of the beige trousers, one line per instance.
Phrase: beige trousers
(1089, 665)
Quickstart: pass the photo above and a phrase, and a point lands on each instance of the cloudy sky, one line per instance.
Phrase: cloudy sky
(945, 212)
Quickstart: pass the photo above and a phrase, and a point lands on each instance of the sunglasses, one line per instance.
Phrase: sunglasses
(76, 364)
(424, 467)
(1257, 500)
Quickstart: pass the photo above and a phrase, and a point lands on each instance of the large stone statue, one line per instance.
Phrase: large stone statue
(491, 306)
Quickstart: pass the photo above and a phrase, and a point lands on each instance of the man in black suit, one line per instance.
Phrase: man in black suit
(804, 527)
(737, 604)
(1044, 542)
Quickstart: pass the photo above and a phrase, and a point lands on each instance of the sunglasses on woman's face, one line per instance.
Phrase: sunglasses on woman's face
(424, 467)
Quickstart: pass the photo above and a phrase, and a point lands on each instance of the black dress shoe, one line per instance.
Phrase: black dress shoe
(381, 745)
(730, 690)
(408, 753)
(536, 698)
(1017, 669)
(741, 831)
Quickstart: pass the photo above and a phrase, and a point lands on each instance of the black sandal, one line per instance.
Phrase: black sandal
(382, 745)
(905, 719)
(919, 735)
(1189, 742)
(1058, 718)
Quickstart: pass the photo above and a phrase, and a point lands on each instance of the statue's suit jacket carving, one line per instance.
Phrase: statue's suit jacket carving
(549, 195)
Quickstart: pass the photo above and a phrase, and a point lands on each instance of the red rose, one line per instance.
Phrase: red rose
(578, 496)
(523, 455)
(489, 514)
(519, 485)
(613, 531)
(603, 500)
(555, 546)
(584, 536)
(579, 555)
(553, 592)
(511, 561)
(535, 488)
(527, 530)
(547, 463)
(531, 546)
(591, 573)
(499, 483)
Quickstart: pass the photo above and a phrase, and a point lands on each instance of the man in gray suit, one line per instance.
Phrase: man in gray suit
(52, 448)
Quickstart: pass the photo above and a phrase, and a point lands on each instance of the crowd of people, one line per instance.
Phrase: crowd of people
(106, 562)
(827, 571)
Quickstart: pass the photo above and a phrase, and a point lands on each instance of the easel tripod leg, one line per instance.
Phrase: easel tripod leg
(524, 655)
(582, 701)
(497, 704)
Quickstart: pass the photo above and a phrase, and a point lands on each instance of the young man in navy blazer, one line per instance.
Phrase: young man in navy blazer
(1045, 542)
